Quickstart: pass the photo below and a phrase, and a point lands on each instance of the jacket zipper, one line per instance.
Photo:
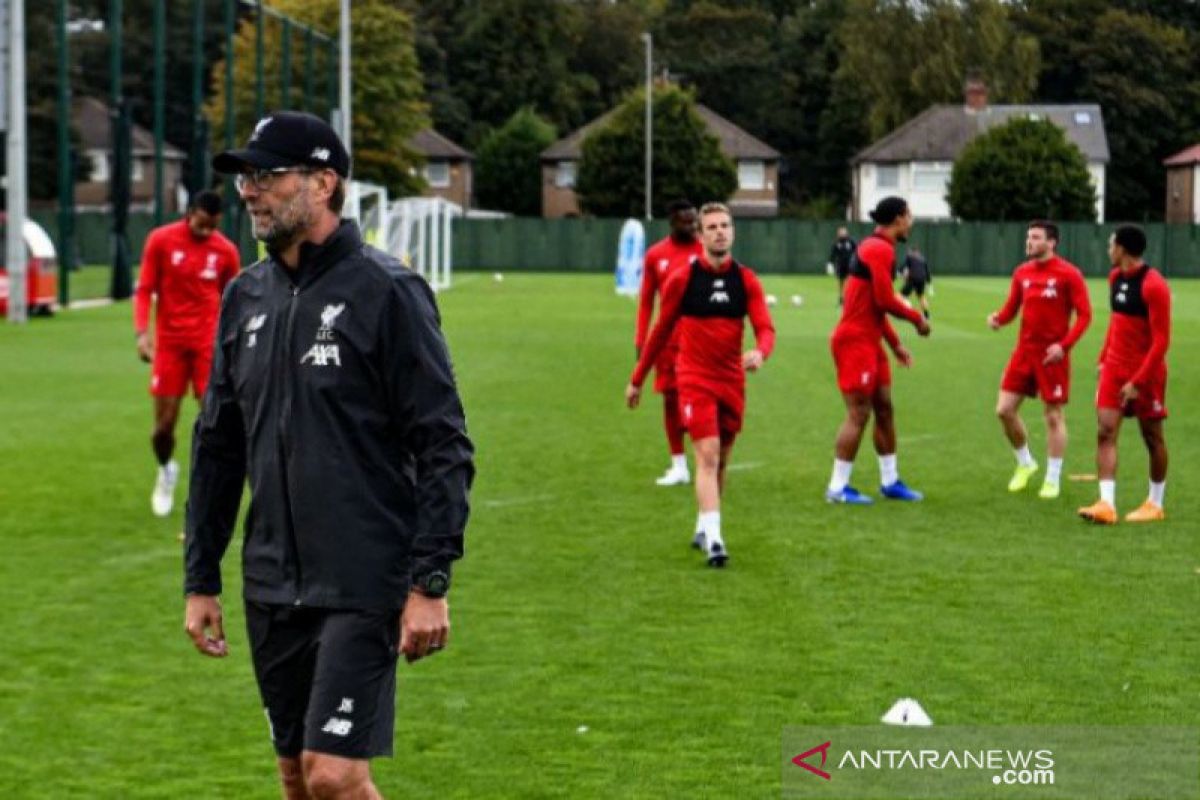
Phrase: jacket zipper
(285, 415)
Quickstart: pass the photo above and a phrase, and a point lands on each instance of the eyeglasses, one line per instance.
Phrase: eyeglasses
(263, 179)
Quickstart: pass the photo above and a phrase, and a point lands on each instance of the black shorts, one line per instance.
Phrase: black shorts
(327, 677)
(913, 286)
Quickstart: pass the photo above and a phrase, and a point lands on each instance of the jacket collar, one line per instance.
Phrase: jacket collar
(317, 258)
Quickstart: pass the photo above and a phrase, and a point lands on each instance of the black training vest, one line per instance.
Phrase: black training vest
(714, 294)
(860, 270)
(1125, 294)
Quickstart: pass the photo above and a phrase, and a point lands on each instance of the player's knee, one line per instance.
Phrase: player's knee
(1005, 413)
(1106, 432)
(333, 777)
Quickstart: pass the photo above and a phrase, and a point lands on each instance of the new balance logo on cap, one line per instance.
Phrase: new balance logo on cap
(320, 153)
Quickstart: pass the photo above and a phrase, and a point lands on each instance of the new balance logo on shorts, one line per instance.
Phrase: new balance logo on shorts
(337, 726)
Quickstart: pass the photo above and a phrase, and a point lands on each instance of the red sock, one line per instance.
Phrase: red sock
(672, 422)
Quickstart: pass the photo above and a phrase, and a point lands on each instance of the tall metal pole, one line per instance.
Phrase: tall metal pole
(344, 73)
(285, 63)
(231, 223)
(14, 244)
(66, 166)
(119, 183)
(259, 46)
(649, 123)
(308, 68)
(199, 176)
(160, 56)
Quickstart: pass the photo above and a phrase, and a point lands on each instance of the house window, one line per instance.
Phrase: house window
(564, 176)
(930, 177)
(1083, 118)
(137, 170)
(99, 166)
(887, 176)
(752, 175)
(437, 174)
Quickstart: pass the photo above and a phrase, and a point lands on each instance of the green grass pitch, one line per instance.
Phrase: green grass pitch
(593, 655)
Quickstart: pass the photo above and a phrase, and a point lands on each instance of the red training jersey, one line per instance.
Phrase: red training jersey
(663, 258)
(870, 295)
(709, 306)
(1139, 331)
(1046, 292)
(188, 276)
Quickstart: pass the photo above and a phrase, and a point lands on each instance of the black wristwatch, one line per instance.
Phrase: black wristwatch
(433, 584)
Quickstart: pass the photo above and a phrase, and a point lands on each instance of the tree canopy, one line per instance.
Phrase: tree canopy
(387, 93)
(688, 161)
(1024, 169)
(508, 174)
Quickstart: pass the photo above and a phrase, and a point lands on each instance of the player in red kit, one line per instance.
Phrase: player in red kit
(674, 252)
(185, 267)
(1133, 374)
(863, 374)
(1046, 289)
(708, 303)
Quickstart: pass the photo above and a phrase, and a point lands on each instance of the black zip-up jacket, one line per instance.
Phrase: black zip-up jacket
(332, 391)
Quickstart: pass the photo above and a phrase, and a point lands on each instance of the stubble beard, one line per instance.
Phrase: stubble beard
(285, 225)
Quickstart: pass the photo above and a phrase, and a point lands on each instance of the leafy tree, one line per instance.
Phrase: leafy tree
(905, 55)
(688, 161)
(1140, 71)
(1022, 170)
(387, 102)
(508, 174)
(513, 53)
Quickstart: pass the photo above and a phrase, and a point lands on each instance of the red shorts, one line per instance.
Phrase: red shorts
(1151, 402)
(862, 366)
(664, 368)
(178, 363)
(1027, 375)
(712, 410)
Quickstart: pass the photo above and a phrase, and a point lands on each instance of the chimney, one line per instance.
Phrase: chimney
(975, 95)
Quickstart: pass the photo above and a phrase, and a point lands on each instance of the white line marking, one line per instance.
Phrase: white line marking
(98, 302)
(744, 466)
(517, 501)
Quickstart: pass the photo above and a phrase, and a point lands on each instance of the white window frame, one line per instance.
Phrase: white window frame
(892, 170)
(100, 171)
(931, 176)
(565, 174)
(752, 175)
(437, 174)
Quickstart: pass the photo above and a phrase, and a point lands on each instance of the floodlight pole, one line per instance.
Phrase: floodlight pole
(649, 122)
(344, 75)
(15, 191)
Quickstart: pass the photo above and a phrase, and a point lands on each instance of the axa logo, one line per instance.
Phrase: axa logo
(719, 297)
(802, 760)
(252, 327)
(1121, 297)
(322, 355)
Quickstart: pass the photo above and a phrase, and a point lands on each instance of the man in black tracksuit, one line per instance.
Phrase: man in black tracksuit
(840, 253)
(917, 277)
(332, 392)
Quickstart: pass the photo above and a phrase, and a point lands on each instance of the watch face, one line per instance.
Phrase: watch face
(436, 583)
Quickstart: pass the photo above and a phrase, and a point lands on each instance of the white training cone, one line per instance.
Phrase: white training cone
(907, 712)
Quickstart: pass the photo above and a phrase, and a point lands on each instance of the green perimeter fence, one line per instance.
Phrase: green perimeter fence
(770, 246)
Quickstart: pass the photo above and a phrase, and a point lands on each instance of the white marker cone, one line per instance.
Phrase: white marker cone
(907, 712)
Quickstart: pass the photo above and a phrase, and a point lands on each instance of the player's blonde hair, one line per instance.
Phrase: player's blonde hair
(714, 208)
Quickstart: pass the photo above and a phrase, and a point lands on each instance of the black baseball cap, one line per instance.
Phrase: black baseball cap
(287, 139)
(887, 209)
